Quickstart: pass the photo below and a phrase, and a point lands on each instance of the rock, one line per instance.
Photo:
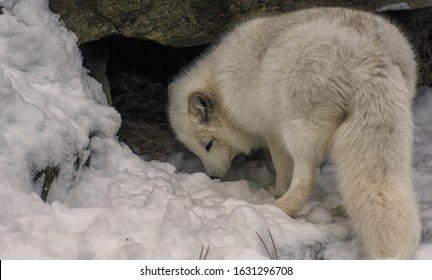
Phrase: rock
(46, 178)
(187, 22)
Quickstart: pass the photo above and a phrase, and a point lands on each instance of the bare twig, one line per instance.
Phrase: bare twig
(265, 246)
(203, 252)
(274, 246)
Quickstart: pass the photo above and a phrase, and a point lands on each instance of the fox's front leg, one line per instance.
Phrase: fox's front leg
(283, 165)
(307, 142)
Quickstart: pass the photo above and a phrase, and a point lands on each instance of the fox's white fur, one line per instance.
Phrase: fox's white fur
(307, 84)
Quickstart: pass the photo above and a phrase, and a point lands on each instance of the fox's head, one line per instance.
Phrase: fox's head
(199, 124)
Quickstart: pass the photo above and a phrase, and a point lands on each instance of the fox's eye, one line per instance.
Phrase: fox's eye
(209, 145)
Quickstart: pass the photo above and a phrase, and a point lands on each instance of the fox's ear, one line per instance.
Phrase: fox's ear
(202, 106)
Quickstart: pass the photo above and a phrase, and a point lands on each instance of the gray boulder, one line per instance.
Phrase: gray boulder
(187, 22)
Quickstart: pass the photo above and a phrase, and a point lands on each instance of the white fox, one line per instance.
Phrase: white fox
(307, 84)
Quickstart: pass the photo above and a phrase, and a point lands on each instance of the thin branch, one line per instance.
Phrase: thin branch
(262, 241)
(276, 257)
(203, 254)
(274, 246)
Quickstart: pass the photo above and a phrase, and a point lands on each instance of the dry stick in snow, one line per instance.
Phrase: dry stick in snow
(203, 254)
(265, 246)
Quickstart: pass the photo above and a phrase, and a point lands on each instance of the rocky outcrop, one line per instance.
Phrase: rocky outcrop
(186, 22)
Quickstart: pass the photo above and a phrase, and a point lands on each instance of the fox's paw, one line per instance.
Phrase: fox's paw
(274, 191)
(284, 206)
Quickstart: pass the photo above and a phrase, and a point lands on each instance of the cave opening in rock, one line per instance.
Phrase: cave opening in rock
(135, 73)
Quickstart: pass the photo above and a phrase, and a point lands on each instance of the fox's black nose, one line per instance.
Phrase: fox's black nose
(214, 177)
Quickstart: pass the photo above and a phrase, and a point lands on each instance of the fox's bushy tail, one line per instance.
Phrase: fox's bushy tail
(372, 152)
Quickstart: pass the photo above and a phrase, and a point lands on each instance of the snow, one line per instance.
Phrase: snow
(123, 207)
(319, 215)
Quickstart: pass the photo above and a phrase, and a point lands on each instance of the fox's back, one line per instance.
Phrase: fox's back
(262, 64)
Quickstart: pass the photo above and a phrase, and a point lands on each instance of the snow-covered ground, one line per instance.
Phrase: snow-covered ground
(122, 207)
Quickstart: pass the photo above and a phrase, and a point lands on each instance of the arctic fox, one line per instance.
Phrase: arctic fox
(307, 84)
